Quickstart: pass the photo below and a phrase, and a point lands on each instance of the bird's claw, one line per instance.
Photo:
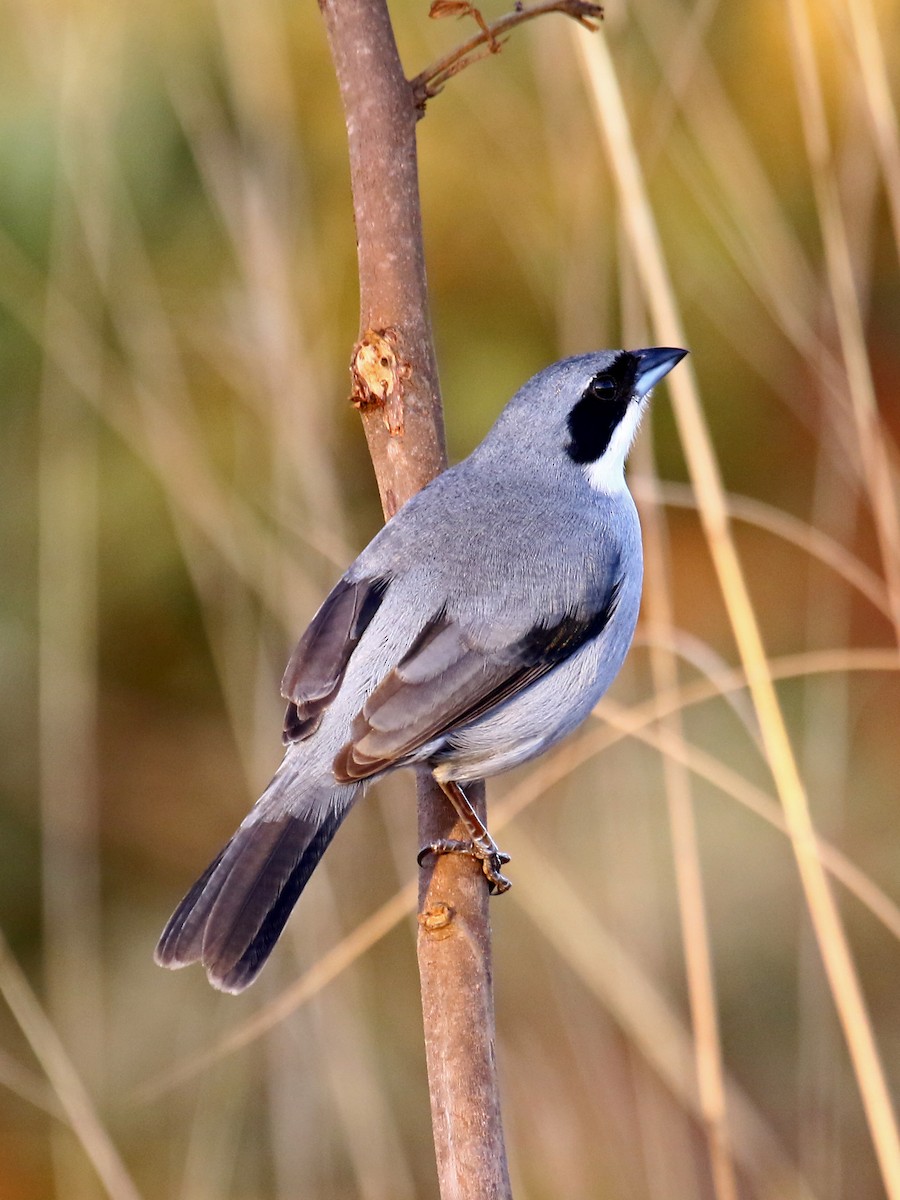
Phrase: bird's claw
(491, 860)
(497, 881)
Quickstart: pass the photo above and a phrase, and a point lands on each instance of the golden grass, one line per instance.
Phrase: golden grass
(62, 1077)
(686, 859)
(872, 441)
(873, 75)
(616, 725)
(189, 346)
(659, 296)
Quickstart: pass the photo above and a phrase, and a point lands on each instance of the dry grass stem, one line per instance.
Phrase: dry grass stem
(637, 1005)
(71, 1093)
(839, 965)
(618, 724)
(686, 861)
(790, 529)
(185, 479)
(870, 433)
(874, 77)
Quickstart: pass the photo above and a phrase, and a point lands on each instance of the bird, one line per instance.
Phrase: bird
(479, 627)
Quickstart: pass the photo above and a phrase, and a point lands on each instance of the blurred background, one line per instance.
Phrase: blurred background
(183, 480)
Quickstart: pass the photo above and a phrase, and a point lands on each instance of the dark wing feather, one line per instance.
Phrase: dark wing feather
(446, 681)
(320, 659)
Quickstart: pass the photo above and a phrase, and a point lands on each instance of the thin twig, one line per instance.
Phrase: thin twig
(430, 81)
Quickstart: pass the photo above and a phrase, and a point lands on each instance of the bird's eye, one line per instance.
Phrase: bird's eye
(604, 387)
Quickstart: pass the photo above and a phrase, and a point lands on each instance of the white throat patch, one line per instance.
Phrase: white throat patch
(607, 474)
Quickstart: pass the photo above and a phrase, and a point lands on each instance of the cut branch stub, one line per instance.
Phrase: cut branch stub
(436, 919)
(378, 373)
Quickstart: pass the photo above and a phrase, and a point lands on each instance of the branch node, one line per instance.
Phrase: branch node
(436, 918)
(378, 373)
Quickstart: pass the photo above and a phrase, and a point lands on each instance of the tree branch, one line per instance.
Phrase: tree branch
(430, 81)
(395, 386)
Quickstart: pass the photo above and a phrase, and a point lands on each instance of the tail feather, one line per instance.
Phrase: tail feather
(182, 939)
(232, 917)
(245, 968)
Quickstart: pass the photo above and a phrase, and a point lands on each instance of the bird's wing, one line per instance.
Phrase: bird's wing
(320, 659)
(447, 680)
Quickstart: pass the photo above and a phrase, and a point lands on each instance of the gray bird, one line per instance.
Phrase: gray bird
(480, 626)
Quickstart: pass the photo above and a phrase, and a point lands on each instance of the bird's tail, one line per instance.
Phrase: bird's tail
(232, 917)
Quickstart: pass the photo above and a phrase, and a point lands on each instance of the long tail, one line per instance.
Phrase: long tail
(232, 917)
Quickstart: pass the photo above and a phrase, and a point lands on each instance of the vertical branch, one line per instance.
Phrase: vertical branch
(394, 370)
(395, 386)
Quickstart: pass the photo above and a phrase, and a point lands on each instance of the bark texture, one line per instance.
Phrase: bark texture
(395, 387)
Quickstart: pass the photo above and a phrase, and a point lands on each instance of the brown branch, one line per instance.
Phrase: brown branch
(395, 387)
(430, 81)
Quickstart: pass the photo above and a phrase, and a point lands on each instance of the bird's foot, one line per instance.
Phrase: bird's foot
(485, 851)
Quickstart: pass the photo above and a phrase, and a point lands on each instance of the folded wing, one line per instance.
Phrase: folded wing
(317, 666)
(447, 680)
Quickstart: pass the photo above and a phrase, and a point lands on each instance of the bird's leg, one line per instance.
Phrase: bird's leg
(481, 846)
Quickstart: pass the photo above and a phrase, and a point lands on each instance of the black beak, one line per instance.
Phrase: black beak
(654, 363)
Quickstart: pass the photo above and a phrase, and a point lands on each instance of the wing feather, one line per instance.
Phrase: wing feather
(316, 668)
(447, 680)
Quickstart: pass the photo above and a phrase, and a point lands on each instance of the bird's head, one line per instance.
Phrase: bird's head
(584, 411)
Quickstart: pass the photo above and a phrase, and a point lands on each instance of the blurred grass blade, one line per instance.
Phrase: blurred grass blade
(637, 1005)
(618, 724)
(784, 525)
(68, 639)
(842, 977)
(686, 863)
(166, 444)
(732, 783)
(63, 1078)
(319, 975)
(873, 76)
(869, 430)
(28, 1085)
